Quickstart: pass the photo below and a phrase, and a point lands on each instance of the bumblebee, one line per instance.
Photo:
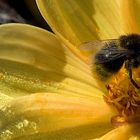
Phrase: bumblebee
(110, 55)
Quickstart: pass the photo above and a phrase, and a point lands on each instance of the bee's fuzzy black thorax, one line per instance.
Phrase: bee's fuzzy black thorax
(131, 41)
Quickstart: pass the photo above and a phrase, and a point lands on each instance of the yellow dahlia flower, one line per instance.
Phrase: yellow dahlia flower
(48, 90)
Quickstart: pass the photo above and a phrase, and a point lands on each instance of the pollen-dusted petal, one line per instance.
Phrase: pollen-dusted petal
(33, 60)
(79, 21)
(4, 99)
(52, 116)
(130, 16)
(126, 132)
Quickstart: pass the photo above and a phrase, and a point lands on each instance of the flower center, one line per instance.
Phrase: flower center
(124, 96)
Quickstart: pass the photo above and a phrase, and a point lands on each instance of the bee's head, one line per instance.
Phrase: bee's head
(131, 41)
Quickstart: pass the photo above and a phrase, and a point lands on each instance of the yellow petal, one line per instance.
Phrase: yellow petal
(52, 116)
(80, 21)
(126, 132)
(130, 15)
(33, 60)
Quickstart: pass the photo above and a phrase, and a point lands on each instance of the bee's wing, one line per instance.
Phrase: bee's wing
(104, 51)
(92, 47)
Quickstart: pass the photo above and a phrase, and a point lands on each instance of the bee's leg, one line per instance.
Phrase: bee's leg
(128, 66)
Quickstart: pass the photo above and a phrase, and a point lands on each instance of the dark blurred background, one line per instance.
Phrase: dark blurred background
(21, 11)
